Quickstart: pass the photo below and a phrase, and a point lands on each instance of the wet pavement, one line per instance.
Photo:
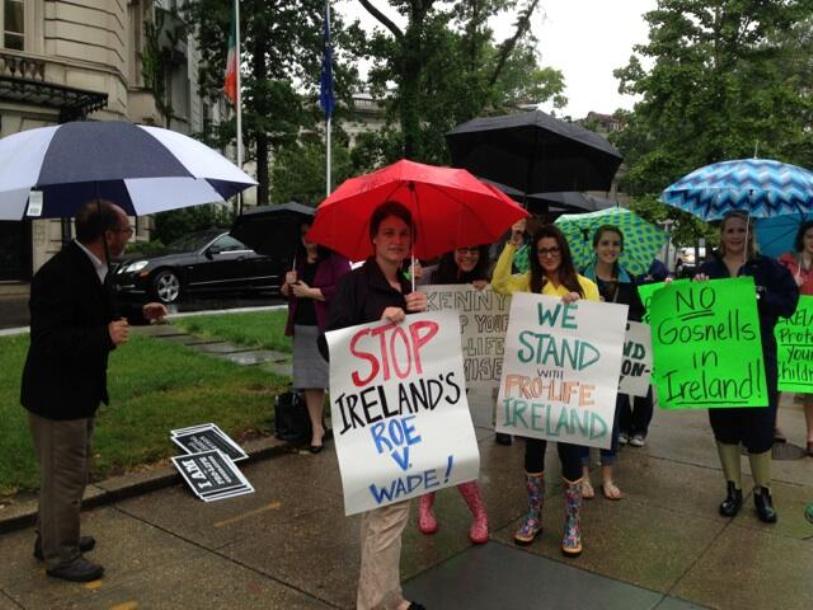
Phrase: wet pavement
(289, 545)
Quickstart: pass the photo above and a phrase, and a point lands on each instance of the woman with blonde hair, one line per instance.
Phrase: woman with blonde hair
(776, 296)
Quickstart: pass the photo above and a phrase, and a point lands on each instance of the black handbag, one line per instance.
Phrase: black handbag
(291, 418)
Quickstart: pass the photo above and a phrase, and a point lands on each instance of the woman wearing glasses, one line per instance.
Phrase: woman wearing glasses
(552, 273)
(463, 266)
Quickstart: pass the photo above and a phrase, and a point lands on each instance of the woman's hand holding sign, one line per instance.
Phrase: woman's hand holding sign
(416, 302)
(570, 297)
(395, 315)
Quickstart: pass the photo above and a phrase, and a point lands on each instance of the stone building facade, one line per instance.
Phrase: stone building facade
(75, 59)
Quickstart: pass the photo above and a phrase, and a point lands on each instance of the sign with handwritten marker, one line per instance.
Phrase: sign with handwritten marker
(483, 322)
(400, 417)
(561, 369)
(646, 292)
(636, 368)
(707, 346)
(794, 348)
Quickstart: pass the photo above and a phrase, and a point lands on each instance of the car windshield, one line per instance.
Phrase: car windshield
(193, 241)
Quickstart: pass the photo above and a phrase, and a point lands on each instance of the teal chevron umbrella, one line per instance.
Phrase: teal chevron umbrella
(761, 187)
(642, 240)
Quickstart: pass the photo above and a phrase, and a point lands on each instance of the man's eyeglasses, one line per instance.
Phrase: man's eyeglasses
(552, 252)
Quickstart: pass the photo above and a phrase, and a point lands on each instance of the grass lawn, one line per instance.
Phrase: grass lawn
(261, 329)
(155, 386)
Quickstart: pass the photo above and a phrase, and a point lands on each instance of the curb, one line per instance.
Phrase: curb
(123, 487)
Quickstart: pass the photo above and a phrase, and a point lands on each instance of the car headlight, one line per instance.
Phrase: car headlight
(135, 267)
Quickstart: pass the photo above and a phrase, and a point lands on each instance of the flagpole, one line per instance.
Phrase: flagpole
(328, 122)
(239, 103)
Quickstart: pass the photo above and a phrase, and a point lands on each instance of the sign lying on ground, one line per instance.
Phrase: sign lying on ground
(483, 322)
(401, 421)
(206, 437)
(707, 346)
(212, 475)
(794, 342)
(636, 367)
(561, 369)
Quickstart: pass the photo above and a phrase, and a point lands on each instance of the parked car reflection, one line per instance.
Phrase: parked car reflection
(207, 261)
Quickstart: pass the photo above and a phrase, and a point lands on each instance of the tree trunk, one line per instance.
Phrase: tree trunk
(260, 72)
(410, 91)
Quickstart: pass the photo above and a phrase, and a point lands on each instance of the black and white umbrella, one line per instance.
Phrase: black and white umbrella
(51, 171)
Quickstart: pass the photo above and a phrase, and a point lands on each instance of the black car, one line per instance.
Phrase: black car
(209, 260)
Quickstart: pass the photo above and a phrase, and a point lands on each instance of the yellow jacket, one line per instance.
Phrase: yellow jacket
(503, 282)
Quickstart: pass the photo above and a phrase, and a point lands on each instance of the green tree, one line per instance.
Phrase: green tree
(299, 170)
(447, 69)
(282, 49)
(173, 224)
(726, 80)
(160, 57)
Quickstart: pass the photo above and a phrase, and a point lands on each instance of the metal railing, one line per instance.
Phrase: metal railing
(20, 66)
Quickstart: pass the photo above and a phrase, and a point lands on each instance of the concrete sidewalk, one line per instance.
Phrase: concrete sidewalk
(289, 545)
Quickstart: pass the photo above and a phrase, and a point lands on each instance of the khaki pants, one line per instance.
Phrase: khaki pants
(63, 454)
(380, 577)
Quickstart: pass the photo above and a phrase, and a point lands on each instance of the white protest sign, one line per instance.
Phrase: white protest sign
(401, 421)
(636, 368)
(483, 322)
(561, 369)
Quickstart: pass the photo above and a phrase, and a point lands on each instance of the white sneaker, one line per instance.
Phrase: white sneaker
(623, 439)
(638, 440)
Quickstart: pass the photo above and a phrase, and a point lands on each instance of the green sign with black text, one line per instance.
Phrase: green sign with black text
(707, 346)
(647, 291)
(794, 348)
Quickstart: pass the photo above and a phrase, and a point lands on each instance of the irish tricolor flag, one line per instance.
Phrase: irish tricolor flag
(230, 82)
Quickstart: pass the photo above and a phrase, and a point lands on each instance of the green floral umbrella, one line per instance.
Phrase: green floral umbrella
(642, 241)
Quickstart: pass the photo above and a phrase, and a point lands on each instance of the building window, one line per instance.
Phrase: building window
(12, 26)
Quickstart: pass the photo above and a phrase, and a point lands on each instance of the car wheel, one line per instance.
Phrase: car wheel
(166, 286)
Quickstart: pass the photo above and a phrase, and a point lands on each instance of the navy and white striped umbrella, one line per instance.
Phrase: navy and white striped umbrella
(761, 187)
(143, 169)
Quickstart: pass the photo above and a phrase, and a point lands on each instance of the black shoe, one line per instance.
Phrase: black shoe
(316, 448)
(416, 606)
(86, 544)
(503, 439)
(78, 570)
(764, 505)
(733, 501)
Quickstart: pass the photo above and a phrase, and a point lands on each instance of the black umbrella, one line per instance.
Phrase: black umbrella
(272, 229)
(556, 203)
(569, 202)
(535, 153)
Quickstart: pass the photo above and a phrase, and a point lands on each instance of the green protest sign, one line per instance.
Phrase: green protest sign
(707, 346)
(645, 291)
(794, 348)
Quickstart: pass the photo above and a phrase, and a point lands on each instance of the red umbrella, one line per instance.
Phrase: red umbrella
(450, 208)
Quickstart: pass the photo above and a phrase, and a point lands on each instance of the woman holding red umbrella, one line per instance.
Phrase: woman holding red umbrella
(379, 291)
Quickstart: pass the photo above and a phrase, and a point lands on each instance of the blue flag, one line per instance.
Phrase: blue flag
(326, 99)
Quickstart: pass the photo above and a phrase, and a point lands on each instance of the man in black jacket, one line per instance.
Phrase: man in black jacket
(74, 326)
